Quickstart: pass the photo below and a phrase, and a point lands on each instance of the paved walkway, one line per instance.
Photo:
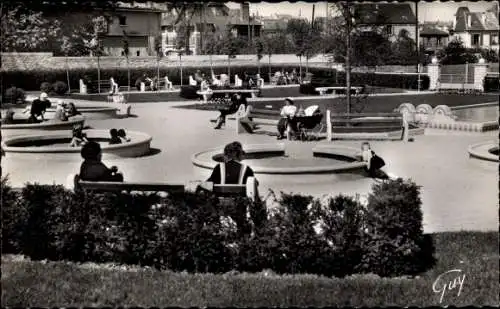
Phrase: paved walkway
(457, 192)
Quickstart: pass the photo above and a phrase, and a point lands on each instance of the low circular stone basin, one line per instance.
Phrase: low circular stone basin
(90, 112)
(139, 145)
(272, 159)
(24, 128)
(487, 151)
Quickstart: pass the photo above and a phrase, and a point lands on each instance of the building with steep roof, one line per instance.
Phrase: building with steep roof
(392, 17)
(477, 29)
(434, 36)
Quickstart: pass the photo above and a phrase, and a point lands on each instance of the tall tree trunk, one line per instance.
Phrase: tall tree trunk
(258, 65)
(229, 67)
(128, 75)
(180, 65)
(348, 58)
(307, 64)
(67, 75)
(98, 75)
(211, 63)
(158, 73)
(300, 68)
(269, 73)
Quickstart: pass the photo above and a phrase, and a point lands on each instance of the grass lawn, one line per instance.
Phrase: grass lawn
(374, 104)
(27, 283)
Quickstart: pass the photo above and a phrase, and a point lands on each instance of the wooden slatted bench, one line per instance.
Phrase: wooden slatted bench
(324, 90)
(215, 95)
(259, 117)
(365, 123)
(249, 189)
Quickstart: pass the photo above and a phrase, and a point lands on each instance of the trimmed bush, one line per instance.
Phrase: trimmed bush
(197, 232)
(60, 87)
(491, 84)
(15, 95)
(189, 92)
(30, 80)
(396, 244)
(46, 87)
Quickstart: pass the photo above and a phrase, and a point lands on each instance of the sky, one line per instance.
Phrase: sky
(428, 11)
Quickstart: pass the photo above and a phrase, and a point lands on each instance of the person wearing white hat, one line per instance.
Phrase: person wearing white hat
(39, 106)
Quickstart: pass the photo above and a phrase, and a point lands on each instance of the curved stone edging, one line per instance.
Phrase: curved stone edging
(482, 151)
(278, 148)
(138, 146)
(91, 112)
(32, 128)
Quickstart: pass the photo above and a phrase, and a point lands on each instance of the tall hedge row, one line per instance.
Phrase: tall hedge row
(31, 80)
(323, 78)
(200, 233)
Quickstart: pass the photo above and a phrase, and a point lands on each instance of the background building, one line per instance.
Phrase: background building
(477, 29)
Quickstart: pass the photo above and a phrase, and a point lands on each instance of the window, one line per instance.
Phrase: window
(122, 20)
(475, 39)
(494, 39)
(388, 29)
(138, 53)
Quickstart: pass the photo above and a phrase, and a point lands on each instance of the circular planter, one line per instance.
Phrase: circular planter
(139, 144)
(334, 160)
(37, 128)
(89, 112)
(485, 151)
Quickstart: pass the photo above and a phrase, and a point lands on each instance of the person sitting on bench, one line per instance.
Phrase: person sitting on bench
(92, 168)
(115, 139)
(374, 163)
(71, 110)
(79, 138)
(236, 100)
(38, 107)
(9, 117)
(123, 136)
(287, 113)
(231, 171)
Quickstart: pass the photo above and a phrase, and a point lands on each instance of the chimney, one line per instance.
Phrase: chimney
(245, 11)
(469, 21)
(483, 18)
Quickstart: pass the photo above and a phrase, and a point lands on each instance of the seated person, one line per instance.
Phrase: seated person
(39, 106)
(140, 80)
(79, 138)
(60, 114)
(71, 110)
(287, 113)
(92, 168)
(149, 83)
(236, 100)
(231, 171)
(123, 136)
(198, 77)
(9, 117)
(115, 139)
(373, 162)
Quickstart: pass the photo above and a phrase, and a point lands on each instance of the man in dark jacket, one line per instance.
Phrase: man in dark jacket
(92, 168)
(39, 106)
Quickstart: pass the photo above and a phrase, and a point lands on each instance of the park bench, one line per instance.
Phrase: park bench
(324, 90)
(259, 117)
(249, 189)
(367, 123)
(224, 95)
(456, 87)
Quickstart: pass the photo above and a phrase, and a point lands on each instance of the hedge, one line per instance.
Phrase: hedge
(491, 84)
(197, 232)
(31, 80)
(322, 78)
(189, 92)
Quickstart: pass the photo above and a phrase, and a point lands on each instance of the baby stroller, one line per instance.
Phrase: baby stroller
(309, 126)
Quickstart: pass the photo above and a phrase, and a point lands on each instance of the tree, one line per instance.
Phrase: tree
(126, 53)
(65, 48)
(259, 50)
(456, 53)
(350, 22)
(299, 31)
(25, 30)
(275, 43)
(231, 46)
(404, 49)
(159, 54)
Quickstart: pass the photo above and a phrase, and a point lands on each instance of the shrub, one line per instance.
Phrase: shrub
(15, 95)
(395, 244)
(491, 84)
(60, 87)
(46, 87)
(198, 232)
(12, 218)
(189, 92)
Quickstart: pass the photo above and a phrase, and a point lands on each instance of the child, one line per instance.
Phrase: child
(114, 137)
(60, 114)
(79, 138)
(92, 168)
(373, 162)
(123, 136)
(71, 110)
